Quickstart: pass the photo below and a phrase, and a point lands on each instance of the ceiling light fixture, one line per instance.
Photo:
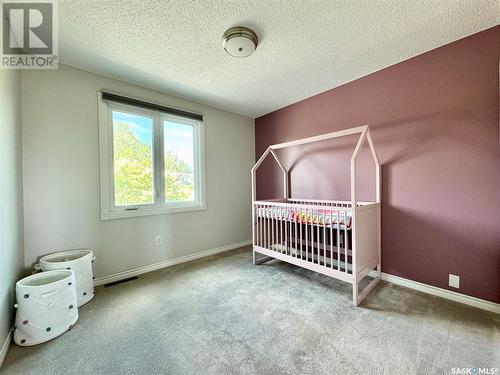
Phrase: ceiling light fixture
(239, 41)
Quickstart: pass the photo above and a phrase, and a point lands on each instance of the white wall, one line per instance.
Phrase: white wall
(11, 219)
(61, 177)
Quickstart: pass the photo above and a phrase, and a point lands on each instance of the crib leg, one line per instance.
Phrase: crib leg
(359, 297)
(257, 260)
(355, 300)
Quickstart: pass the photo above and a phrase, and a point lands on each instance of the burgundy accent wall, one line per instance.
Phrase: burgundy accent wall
(435, 123)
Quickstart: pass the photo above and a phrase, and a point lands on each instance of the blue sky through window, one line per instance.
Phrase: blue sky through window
(179, 140)
(178, 137)
(141, 126)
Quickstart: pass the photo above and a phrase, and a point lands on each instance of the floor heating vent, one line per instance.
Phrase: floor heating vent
(120, 281)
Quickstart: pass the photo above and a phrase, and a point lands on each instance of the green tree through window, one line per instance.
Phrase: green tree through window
(179, 184)
(133, 170)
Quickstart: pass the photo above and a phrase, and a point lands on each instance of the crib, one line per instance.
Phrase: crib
(340, 239)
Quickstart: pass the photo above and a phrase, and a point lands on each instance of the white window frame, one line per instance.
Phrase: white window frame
(159, 206)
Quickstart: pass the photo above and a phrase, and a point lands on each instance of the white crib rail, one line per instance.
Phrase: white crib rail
(314, 232)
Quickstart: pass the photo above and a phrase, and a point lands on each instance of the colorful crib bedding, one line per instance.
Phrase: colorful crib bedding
(309, 216)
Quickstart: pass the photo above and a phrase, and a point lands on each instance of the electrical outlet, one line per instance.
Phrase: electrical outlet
(454, 281)
(158, 240)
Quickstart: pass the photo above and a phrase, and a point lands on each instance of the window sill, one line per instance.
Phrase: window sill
(110, 215)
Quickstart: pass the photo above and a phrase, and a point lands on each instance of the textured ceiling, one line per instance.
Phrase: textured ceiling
(306, 46)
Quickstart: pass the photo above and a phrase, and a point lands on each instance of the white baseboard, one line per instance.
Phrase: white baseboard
(167, 263)
(443, 293)
(5, 347)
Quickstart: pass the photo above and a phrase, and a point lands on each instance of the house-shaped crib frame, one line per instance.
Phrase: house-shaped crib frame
(340, 239)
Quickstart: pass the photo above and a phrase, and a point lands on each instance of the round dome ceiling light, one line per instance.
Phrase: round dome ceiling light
(239, 41)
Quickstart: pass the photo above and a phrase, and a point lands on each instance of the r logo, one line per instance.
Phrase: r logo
(27, 28)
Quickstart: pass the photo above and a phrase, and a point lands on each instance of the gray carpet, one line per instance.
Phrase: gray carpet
(222, 315)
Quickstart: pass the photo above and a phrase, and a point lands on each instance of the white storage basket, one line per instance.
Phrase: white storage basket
(46, 306)
(80, 262)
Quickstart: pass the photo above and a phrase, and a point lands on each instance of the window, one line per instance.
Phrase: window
(152, 159)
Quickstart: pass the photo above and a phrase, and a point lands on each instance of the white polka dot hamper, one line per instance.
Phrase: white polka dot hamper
(80, 262)
(46, 306)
